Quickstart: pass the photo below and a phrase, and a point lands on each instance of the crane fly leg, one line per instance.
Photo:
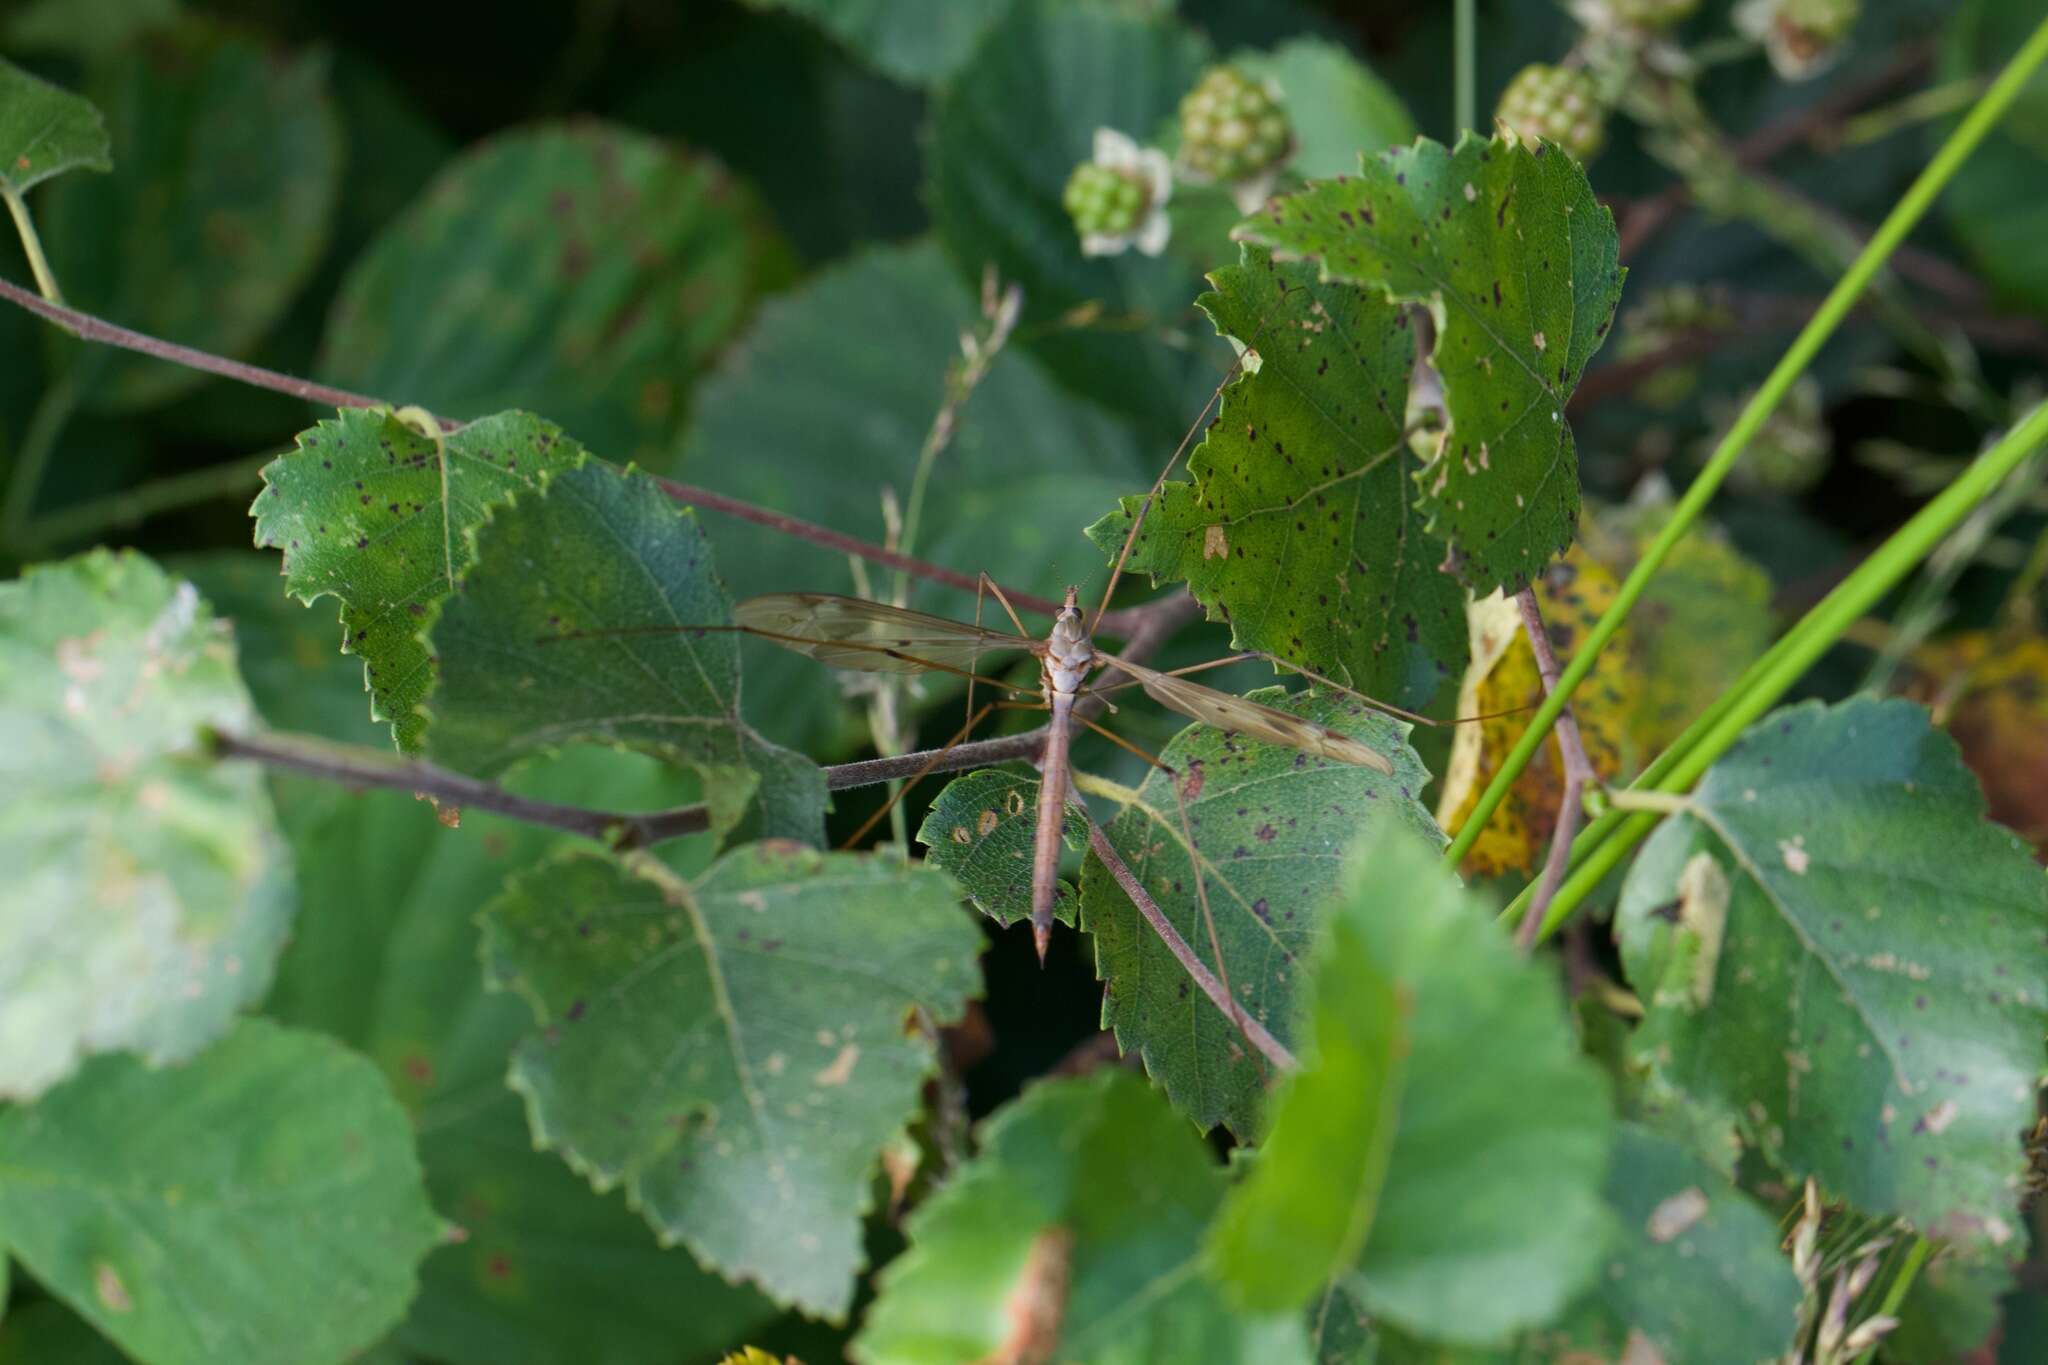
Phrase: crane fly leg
(958, 737)
(1187, 831)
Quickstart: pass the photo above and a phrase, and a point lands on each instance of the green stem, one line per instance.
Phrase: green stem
(1600, 849)
(1840, 300)
(1918, 107)
(53, 410)
(1902, 1283)
(1464, 65)
(32, 246)
(132, 505)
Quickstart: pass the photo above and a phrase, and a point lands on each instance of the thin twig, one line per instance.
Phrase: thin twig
(356, 766)
(1271, 1048)
(86, 327)
(89, 328)
(1648, 217)
(1578, 772)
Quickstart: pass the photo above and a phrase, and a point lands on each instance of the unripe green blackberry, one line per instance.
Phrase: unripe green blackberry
(1117, 198)
(1800, 36)
(1105, 202)
(1554, 103)
(1231, 127)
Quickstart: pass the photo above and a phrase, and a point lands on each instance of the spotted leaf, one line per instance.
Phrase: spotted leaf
(1299, 527)
(734, 1049)
(1875, 1019)
(1517, 262)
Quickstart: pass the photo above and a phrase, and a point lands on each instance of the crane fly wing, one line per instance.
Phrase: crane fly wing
(1226, 712)
(870, 637)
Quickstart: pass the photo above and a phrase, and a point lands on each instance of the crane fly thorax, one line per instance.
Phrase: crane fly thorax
(1069, 653)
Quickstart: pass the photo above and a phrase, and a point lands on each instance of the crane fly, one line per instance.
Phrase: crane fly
(854, 633)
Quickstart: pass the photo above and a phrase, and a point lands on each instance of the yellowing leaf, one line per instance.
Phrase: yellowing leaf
(1574, 592)
(1992, 695)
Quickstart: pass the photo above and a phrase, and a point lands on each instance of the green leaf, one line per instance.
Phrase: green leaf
(547, 1270)
(809, 418)
(1267, 821)
(596, 551)
(1088, 1186)
(1298, 528)
(980, 831)
(1008, 130)
(1516, 260)
(269, 1209)
(374, 512)
(152, 881)
(582, 270)
(916, 41)
(45, 130)
(733, 1049)
(1479, 1212)
(231, 160)
(1338, 107)
(1696, 1272)
(1875, 1016)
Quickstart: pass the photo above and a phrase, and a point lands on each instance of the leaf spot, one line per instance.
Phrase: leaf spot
(1674, 1215)
(109, 1288)
(841, 1068)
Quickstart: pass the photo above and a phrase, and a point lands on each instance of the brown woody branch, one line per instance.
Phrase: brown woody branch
(87, 327)
(1578, 775)
(362, 768)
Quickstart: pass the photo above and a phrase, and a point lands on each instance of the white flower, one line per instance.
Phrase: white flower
(1117, 152)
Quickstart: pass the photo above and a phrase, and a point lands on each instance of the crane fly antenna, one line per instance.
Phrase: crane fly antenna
(1137, 522)
(1214, 400)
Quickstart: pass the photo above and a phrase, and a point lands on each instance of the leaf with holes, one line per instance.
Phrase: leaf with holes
(1517, 262)
(231, 165)
(581, 270)
(980, 833)
(1440, 1153)
(572, 627)
(151, 882)
(735, 1049)
(1874, 1014)
(1269, 824)
(46, 130)
(1078, 1226)
(269, 1209)
(1299, 528)
(374, 512)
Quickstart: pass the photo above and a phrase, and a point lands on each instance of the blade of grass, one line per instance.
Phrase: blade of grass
(1836, 306)
(1608, 839)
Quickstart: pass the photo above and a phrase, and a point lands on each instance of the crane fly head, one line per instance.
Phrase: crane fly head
(1069, 653)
